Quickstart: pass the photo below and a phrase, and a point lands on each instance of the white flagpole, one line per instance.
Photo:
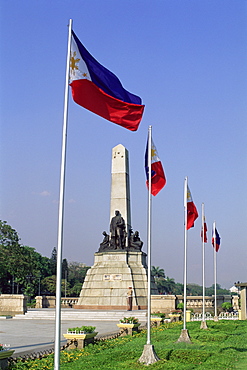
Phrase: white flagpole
(185, 246)
(149, 234)
(215, 272)
(184, 336)
(61, 211)
(203, 269)
(148, 355)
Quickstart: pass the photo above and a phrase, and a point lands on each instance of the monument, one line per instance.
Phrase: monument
(118, 278)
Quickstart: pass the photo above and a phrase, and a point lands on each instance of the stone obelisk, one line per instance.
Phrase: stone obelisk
(119, 265)
(120, 185)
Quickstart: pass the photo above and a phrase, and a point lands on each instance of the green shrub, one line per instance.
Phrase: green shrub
(78, 330)
(129, 320)
(226, 306)
(159, 314)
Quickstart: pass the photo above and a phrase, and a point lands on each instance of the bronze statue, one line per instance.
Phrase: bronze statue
(118, 236)
(117, 230)
(105, 243)
(135, 242)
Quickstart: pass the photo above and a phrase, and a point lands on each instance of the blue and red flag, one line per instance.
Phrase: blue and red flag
(158, 179)
(216, 237)
(97, 89)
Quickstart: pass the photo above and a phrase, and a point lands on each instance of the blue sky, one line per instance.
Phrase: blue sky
(187, 60)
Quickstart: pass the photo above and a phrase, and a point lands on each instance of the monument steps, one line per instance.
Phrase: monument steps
(74, 314)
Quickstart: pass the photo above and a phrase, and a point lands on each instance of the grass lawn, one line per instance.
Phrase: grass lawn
(222, 346)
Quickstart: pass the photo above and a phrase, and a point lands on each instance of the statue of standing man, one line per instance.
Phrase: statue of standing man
(118, 232)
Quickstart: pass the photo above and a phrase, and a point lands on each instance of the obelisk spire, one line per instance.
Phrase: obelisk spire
(120, 185)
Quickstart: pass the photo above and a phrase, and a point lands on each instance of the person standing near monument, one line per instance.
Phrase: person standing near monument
(117, 230)
(129, 299)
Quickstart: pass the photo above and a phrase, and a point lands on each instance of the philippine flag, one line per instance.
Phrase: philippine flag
(97, 89)
(192, 213)
(158, 179)
(216, 237)
(204, 232)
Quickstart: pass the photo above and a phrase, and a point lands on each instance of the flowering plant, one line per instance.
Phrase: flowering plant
(4, 347)
(129, 320)
(81, 330)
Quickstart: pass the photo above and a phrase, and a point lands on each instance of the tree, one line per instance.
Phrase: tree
(24, 270)
(53, 261)
(49, 284)
(75, 290)
(76, 275)
(178, 289)
(219, 290)
(169, 285)
(157, 272)
(164, 284)
(9, 245)
(8, 236)
(65, 268)
(194, 289)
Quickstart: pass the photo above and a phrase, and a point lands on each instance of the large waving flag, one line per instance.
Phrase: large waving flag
(158, 179)
(216, 239)
(192, 213)
(97, 89)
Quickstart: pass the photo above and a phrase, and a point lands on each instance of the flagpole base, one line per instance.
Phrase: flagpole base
(149, 355)
(184, 336)
(216, 318)
(203, 325)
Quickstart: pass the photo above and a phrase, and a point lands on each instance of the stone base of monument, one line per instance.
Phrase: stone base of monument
(184, 336)
(107, 281)
(149, 355)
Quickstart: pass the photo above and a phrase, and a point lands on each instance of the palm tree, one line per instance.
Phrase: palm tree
(157, 272)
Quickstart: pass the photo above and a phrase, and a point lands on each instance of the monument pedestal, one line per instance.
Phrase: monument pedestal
(107, 281)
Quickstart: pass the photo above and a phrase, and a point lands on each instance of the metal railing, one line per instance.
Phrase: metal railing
(221, 316)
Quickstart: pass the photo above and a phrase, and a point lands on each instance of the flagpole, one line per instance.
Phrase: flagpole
(149, 234)
(149, 355)
(184, 336)
(215, 272)
(185, 247)
(203, 265)
(203, 323)
(61, 210)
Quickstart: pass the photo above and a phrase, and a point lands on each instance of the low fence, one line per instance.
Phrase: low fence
(69, 302)
(50, 301)
(221, 316)
(159, 303)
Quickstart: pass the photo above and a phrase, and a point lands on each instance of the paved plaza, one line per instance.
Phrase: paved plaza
(31, 335)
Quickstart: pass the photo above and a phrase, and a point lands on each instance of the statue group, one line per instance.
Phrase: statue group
(118, 237)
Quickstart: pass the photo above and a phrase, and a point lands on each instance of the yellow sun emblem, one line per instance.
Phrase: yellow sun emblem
(153, 152)
(73, 62)
(188, 195)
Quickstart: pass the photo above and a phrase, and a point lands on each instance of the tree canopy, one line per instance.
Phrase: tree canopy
(24, 270)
